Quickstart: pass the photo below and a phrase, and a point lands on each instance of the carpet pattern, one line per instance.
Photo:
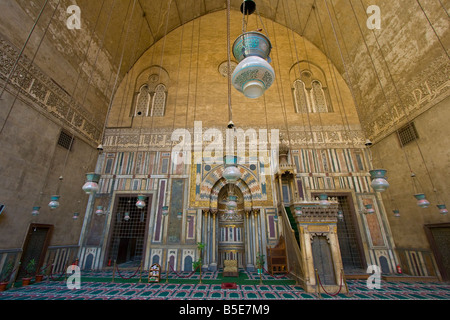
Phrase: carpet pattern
(269, 290)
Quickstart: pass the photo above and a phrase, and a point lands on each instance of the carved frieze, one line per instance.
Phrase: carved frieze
(46, 96)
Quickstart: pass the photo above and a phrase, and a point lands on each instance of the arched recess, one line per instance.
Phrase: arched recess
(214, 182)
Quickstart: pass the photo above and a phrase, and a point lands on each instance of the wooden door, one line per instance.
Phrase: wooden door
(323, 260)
(439, 238)
(35, 247)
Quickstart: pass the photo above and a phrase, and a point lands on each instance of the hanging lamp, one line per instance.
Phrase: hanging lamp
(91, 184)
(442, 209)
(141, 201)
(231, 173)
(232, 202)
(323, 200)
(253, 75)
(298, 211)
(35, 211)
(379, 182)
(99, 210)
(396, 213)
(75, 215)
(369, 208)
(54, 202)
(422, 202)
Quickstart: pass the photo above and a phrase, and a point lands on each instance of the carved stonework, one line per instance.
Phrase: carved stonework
(46, 96)
(318, 213)
(428, 87)
(127, 139)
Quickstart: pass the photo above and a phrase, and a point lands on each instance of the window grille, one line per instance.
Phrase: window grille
(407, 134)
(318, 97)
(128, 237)
(300, 97)
(142, 102)
(159, 101)
(65, 140)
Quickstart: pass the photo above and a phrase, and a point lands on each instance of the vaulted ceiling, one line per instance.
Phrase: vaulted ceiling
(385, 67)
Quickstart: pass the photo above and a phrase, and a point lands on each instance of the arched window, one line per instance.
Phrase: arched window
(300, 97)
(318, 97)
(159, 101)
(142, 102)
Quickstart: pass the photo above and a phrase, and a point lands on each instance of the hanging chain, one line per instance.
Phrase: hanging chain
(230, 116)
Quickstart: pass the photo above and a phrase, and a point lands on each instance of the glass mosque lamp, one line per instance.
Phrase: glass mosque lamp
(253, 75)
(323, 200)
(231, 173)
(298, 211)
(369, 208)
(232, 202)
(91, 184)
(379, 182)
(54, 202)
(442, 209)
(396, 213)
(422, 202)
(165, 210)
(127, 216)
(75, 215)
(99, 210)
(179, 215)
(35, 211)
(340, 215)
(141, 201)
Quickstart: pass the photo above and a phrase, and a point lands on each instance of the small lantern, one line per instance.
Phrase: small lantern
(298, 211)
(54, 202)
(91, 185)
(127, 216)
(165, 210)
(323, 200)
(422, 202)
(180, 215)
(75, 215)
(35, 211)
(340, 215)
(379, 182)
(141, 201)
(232, 204)
(231, 174)
(396, 213)
(369, 208)
(442, 209)
(99, 210)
